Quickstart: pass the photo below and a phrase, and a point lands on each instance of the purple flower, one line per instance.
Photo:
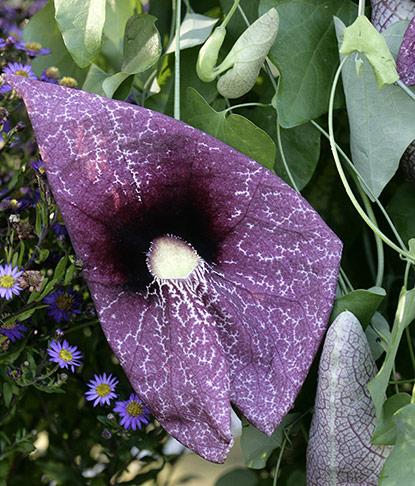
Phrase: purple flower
(102, 389)
(8, 281)
(12, 330)
(14, 373)
(10, 41)
(19, 69)
(62, 304)
(65, 355)
(38, 166)
(50, 75)
(241, 320)
(133, 412)
(33, 49)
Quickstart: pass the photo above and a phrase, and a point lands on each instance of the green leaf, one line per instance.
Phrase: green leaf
(95, 79)
(257, 446)
(194, 30)
(81, 23)
(306, 55)
(43, 255)
(142, 44)
(381, 122)
(117, 14)
(238, 477)
(247, 56)
(60, 268)
(385, 430)
(301, 147)
(7, 394)
(361, 36)
(405, 314)
(69, 274)
(235, 130)
(401, 209)
(42, 28)
(362, 303)
(118, 86)
(399, 468)
(378, 328)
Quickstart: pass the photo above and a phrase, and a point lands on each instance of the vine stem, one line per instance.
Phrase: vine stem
(243, 105)
(177, 61)
(363, 182)
(406, 89)
(361, 9)
(343, 177)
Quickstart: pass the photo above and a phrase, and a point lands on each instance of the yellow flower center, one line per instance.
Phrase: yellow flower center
(6, 281)
(134, 409)
(14, 203)
(65, 355)
(64, 302)
(10, 325)
(103, 389)
(33, 46)
(20, 72)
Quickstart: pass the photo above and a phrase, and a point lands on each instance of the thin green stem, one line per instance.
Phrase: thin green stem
(406, 89)
(230, 13)
(410, 347)
(277, 467)
(284, 160)
(243, 105)
(343, 177)
(395, 379)
(362, 182)
(243, 16)
(401, 382)
(379, 244)
(177, 61)
(346, 279)
(343, 286)
(361, 9)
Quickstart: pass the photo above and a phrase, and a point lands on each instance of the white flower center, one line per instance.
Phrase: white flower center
(171, 257)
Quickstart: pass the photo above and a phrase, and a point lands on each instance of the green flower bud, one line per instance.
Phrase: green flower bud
(208, 55)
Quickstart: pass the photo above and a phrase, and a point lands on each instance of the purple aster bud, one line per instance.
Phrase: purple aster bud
(26, 364)
(63, 376)
(58, 334)
(20, 126)
(111, 417)
(14, 373)
(106, 434)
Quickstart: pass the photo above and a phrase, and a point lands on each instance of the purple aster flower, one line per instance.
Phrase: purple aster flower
(62, 304)
(213, 280)
(33, 49)
(19, 69)
(14, 373)
(38, 166)
(10, 41)
(50, 75)
(9, 284)
(13, 330)
(133, 412)
(65, 355)
(102, 389)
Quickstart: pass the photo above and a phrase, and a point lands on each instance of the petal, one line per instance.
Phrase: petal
(250, 331)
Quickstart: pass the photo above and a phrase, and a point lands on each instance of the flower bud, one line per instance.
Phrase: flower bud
(208, 55)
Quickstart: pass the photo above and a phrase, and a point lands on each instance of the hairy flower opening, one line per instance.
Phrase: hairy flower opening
(171, 257)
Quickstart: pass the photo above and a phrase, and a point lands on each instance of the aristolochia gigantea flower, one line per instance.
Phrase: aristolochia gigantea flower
(102, 389)
(65, 355)
(133, 412)
(213, 280)
(9, 284)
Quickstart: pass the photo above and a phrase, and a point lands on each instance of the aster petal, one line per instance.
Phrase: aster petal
(249, 331)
